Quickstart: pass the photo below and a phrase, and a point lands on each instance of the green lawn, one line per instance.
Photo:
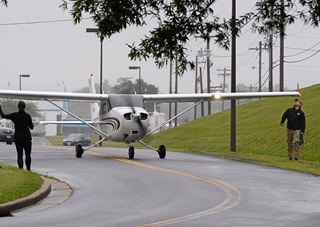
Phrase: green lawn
(16, 183)
(260, 138)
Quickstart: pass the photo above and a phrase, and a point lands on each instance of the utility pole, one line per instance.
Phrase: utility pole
(176, 91)
(201, 91)
(199, 80)
(281, 65)
(271, 62)
(195, 87)
(233, 81)
(271, 56)
(170, 92)
(260, 62)
(208, 72)
(208, 66)
(224, 74)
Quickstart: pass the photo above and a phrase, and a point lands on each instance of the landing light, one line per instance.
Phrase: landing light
(217, 95)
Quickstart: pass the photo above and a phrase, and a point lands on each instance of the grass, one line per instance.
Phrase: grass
(16, 183)
(260, 140)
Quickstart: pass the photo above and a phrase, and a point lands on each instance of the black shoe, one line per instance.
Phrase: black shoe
(296, 158)
(290, 158)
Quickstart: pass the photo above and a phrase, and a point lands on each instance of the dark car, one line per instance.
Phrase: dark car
(77, 138)
(6, 134)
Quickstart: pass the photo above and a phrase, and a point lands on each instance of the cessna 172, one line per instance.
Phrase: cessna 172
(122, 118)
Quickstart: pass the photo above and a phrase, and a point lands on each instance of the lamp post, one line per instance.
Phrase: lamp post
(137, 67)
(22, 75)
(95, 30)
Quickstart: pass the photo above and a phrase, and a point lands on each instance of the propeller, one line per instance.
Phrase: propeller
(133, 101)
(136, 117)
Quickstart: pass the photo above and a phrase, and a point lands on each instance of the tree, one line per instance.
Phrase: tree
(177, 21)
(11, 105)
(277, 14)
(5, 2)
(106, 87)
(123, 86)
(126, 86)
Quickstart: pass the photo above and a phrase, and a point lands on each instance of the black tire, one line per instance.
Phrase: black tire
(131, 152)
(162, 151)
(79, 151)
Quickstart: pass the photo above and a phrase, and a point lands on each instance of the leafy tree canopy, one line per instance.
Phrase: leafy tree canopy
(177, 21)
(277, 14)
(11, 105)
(5, 2)
(125, 86)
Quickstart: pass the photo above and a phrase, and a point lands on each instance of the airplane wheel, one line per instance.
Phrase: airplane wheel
(131, 152)
(162, 151)
(79, 151)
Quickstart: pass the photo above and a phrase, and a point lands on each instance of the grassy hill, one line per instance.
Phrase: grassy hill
(260, 138)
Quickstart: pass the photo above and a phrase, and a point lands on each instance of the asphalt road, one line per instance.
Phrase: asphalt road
(181, 190)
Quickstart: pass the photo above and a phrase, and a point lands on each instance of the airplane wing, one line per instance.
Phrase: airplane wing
(214, 96)
(68, 96)
(53, 96)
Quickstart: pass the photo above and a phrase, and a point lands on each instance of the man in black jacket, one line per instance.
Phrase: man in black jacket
(22, 136)
(296, 125)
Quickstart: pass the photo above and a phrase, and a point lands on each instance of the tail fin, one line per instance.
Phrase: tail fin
(94, 107)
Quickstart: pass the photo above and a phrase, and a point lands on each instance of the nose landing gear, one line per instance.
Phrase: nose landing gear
(131, 152)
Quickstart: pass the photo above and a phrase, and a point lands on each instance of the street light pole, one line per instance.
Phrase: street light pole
(22, 75)
(95, 30)
(137, 67)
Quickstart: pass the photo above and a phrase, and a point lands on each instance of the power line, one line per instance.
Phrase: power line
(303, 50)
(303, 58)
(39, 22)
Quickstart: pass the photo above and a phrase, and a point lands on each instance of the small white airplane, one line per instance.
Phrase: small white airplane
(122, 118)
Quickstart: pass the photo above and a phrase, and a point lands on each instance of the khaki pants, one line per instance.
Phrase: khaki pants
(293, 142)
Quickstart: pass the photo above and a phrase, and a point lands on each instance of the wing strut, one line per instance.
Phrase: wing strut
(78, 118)
(148, 146)
(173, 118)
(93, 145)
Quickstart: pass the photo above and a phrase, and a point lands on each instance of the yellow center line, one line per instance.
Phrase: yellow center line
(233, 195)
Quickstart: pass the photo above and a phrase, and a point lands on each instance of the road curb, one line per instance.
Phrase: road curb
(30, 200)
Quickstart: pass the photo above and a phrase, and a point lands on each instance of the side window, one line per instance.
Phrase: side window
(104, 108)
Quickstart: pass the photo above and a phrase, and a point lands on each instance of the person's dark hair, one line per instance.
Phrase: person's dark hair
(21, 105)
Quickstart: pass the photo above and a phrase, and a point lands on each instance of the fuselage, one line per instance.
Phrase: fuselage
(126, 124)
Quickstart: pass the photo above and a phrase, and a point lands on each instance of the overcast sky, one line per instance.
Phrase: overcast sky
(59, 54)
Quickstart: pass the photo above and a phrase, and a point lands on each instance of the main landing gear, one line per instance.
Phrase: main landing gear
(79, 151)
(161, 151)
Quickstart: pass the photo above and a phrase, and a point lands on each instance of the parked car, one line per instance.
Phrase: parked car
(77, 138)
(6, 134)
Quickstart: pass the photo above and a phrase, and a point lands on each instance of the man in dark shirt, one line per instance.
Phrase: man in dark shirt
(296, 125)
(22, 136)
